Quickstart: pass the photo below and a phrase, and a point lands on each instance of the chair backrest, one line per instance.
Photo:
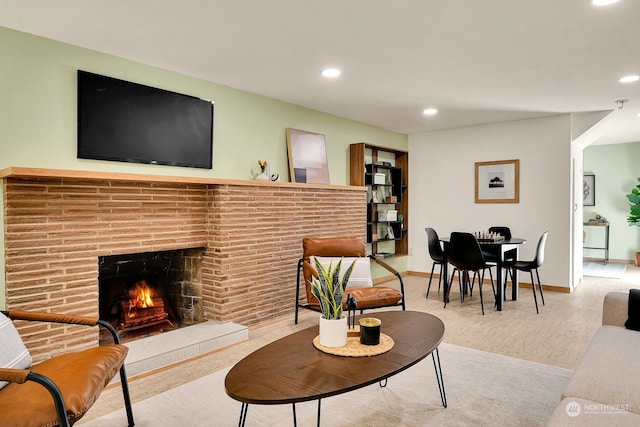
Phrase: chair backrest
(333, 246)
(464, 252)
(433, 244)
(501, 230)
(539, 259)
(327, 247)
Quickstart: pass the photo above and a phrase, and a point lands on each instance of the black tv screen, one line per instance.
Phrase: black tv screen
(130, 122)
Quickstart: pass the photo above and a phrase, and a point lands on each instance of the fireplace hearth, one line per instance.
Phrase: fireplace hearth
(148, 293)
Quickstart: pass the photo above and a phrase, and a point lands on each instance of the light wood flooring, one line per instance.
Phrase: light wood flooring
(557, 336)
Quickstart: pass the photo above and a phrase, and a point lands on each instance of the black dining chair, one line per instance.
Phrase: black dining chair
(437, 255)
(530, 266)
(465, 254)
(489, 253)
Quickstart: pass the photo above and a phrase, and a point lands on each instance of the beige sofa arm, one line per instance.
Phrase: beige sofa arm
(615, 308)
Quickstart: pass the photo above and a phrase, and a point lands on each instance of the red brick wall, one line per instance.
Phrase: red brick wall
(55, 229)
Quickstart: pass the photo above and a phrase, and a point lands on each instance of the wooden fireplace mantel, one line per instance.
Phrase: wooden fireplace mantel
(24, 172)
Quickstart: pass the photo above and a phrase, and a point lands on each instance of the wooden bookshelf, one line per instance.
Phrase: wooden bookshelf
(384, 171)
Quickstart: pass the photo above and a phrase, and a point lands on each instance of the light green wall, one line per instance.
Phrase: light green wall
(38, 115)
(616, 169)
(38, 118)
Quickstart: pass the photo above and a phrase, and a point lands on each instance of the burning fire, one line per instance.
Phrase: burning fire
(139, 297)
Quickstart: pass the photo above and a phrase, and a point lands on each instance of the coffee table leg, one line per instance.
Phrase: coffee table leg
(295, 420)
(243, 414)
(245, 407)
(443, 396)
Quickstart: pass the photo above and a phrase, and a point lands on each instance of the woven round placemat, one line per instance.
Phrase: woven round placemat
(353, 348)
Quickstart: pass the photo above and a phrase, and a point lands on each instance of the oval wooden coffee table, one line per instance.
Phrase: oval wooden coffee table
(292, 370)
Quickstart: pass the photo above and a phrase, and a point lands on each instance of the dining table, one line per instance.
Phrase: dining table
(504, 249)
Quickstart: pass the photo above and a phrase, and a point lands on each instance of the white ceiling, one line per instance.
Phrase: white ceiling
(476, 61)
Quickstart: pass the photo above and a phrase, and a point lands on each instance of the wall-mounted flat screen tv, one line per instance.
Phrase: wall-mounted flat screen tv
(129, 122)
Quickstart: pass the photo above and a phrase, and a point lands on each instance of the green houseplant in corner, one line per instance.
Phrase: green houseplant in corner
(330, 288)
(634, 212)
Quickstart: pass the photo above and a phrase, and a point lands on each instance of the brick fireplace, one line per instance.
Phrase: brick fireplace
(58, 224)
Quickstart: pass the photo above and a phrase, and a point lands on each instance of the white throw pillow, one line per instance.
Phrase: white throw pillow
(13, 353)
(361, 274)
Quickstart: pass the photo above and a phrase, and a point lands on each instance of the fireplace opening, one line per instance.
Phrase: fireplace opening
(148, 293)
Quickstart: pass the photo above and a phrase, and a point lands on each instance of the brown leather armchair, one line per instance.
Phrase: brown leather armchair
(60, 390)
(367, 297)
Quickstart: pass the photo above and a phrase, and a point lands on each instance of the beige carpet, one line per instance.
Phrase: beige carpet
(483, 389)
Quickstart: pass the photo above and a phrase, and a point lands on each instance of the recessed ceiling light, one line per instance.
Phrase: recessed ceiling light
(603, 2)
(430, 111)
(629, 79)
(331, 73)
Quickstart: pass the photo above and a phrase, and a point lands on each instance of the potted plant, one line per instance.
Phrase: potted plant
(634, 212)
(329, 288)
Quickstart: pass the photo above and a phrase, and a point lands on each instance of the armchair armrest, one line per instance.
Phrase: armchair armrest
(615, 308)
(384, 264)
(41, 316)
(52, 317)
(14, 375)
(395, 273)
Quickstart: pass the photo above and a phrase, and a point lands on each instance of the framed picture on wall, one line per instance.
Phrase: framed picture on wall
(589, 190)
(498, 181)
(307, 157)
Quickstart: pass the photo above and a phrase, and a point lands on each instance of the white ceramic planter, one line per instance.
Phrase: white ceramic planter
(333, 333)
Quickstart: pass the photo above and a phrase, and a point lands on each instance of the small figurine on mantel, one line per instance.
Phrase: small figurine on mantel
(264, 174)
